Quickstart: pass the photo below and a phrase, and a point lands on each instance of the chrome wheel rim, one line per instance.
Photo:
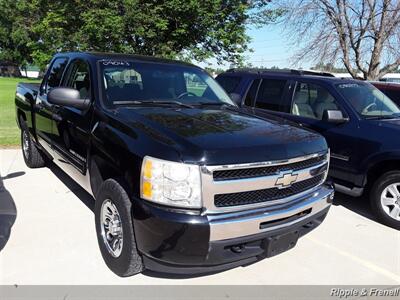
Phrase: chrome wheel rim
(111, 228)
(390, 200)
(25, 143)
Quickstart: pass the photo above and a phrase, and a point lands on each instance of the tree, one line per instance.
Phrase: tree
(364, 35)
(184, 29)
(13, 34)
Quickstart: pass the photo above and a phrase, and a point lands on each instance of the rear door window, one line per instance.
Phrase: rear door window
(271, 94)
(229, 83)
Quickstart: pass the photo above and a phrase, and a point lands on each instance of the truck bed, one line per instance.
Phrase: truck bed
(34, 87)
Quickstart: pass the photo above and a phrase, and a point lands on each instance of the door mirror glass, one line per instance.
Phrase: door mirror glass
(67, 97)
(334, 116)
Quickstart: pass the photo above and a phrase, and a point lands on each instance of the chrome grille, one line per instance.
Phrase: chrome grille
(244, 198)
(237, 187)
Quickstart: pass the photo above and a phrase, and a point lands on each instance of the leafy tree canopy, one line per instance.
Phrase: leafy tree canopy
(31, 31)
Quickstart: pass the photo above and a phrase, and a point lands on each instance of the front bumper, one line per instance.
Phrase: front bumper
(178, 242)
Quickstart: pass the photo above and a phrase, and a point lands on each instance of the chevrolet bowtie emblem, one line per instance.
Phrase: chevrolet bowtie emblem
(285, 180)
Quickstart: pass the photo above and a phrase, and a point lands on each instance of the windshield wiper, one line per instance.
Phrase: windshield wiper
(382, 117)
(155, 102)
(217, 103)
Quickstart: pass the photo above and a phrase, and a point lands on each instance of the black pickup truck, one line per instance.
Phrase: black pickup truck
(184, 180)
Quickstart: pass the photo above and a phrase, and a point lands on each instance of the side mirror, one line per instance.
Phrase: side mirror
(334, 116)
(236, 98)
(67, 97)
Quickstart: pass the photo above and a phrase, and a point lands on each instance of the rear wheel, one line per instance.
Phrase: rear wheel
(32, 156)
(385, 199)
(114, 229)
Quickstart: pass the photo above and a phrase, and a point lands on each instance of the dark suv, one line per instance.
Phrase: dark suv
(360, 123)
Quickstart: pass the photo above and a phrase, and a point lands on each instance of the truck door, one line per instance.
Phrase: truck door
(43, 109)
(309, 101)
(71, 126)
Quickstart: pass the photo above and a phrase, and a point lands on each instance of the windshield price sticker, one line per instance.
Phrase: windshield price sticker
(348, 85)
(115, 63)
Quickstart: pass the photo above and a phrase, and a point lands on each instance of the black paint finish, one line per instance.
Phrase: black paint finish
(111, 143)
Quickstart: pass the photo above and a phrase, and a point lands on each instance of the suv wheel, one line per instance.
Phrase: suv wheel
(385, 199)
(114, 228)
(32, 156)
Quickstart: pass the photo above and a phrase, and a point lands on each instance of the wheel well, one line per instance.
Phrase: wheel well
(100, 171)
(380, 168)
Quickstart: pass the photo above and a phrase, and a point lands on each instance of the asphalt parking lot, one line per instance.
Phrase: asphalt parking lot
(53, 241)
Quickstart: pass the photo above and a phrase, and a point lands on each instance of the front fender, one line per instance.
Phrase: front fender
(378, 158)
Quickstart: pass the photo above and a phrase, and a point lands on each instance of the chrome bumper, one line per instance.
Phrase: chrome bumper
(244, 223)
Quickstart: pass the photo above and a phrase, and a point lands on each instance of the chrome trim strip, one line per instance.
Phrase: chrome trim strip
(242, 224)
(265, 163)
(211, 187)
(72, 171)
(340, 157)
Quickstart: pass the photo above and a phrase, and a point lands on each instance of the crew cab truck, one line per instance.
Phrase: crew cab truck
(360, 124)
(184, 181)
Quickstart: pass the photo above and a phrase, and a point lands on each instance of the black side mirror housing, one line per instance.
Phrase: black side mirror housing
(236, 98)
(334, 116)
(67, 97)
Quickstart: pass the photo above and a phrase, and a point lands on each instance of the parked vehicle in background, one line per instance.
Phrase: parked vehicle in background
(390, 89)
(360, 124)
(184, 180)
(391, 77)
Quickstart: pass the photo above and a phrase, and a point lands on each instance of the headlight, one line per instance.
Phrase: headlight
(170, 183)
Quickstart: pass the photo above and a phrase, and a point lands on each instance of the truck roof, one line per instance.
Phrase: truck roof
(287, 73)
(121, 56)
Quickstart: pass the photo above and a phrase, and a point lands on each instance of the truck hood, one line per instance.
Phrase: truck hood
(223, 136)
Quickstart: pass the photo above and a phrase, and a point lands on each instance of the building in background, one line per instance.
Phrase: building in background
(30, 71)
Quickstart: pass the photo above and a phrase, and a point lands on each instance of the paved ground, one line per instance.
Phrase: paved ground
(53, 242)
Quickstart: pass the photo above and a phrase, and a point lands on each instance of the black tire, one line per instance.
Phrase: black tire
(32, 156)
(129, 261)
(375, 198)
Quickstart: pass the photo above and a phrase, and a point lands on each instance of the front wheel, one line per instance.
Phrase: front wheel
(385, 199)
(32, 156)
(114, 229)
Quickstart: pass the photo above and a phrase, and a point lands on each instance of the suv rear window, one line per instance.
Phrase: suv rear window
(229, 83)
(270, 94)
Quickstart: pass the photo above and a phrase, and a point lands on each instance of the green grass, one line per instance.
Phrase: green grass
(9, 132)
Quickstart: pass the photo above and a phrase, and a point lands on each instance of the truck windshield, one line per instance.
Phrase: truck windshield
(368, 101)
(127, 83)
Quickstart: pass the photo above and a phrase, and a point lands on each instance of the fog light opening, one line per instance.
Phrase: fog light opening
(237, 248)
